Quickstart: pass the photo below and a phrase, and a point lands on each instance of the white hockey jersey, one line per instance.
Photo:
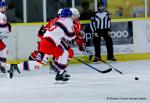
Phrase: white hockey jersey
(62, 28)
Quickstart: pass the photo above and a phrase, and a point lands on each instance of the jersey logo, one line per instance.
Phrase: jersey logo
(39, 57)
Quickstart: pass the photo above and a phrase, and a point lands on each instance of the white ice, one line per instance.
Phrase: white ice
(85, 85)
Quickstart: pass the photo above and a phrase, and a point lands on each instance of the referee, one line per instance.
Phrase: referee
(100, 26)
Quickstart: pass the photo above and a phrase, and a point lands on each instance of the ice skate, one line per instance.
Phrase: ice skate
(61, 77)
(13, 67)
(65, 74)
(2, 69)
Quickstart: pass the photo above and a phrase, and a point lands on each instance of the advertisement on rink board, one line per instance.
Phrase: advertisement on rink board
(122, 36)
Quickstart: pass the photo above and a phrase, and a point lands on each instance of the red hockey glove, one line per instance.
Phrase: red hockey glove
(71, 53)
(80, 42)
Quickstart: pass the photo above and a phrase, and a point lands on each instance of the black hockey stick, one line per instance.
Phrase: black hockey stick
(104, 62)
(105, 71)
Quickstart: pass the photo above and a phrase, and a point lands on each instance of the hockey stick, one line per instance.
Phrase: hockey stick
(105, 71)
(104, 62)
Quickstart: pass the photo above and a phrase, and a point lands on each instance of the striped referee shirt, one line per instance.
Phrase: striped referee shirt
(100, 20)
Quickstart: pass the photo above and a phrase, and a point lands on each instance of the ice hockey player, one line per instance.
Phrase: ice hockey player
(61, 63)
(60, 33)
(79, 40)
(53, 43)
(5, 29)
(31, 63)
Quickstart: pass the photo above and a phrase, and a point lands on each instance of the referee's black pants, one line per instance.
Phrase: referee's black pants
(108, 41)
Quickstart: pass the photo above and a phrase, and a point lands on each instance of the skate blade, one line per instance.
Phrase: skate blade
(61, 82)
(7, 75)
(111, 61)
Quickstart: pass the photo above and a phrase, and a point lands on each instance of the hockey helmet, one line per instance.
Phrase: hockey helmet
(59, 11)
(2, 3)
(75, 12)
(66, 13)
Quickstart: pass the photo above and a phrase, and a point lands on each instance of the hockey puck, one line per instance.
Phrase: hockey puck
(136, 78)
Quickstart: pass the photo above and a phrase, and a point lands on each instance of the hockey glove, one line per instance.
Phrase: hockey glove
(71, 53)
(80, 42)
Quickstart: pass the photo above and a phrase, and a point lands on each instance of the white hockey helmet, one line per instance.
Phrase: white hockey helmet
(75, 12)
(59, 11)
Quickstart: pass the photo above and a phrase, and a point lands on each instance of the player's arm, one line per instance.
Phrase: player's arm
(43, 28)
(79, 35)
(41, 31)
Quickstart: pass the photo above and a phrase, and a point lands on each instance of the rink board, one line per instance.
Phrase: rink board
(136, 45)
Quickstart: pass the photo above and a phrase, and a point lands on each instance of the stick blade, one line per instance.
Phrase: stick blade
(106, 71)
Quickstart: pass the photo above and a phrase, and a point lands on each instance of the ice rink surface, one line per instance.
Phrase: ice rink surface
(85, 85)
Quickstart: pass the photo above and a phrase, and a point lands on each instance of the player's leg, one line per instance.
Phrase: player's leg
(29, 65)
(34, 63)
(3, 56)
(4, 67)
(47, 46)
(60, 65)
(24, 66)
